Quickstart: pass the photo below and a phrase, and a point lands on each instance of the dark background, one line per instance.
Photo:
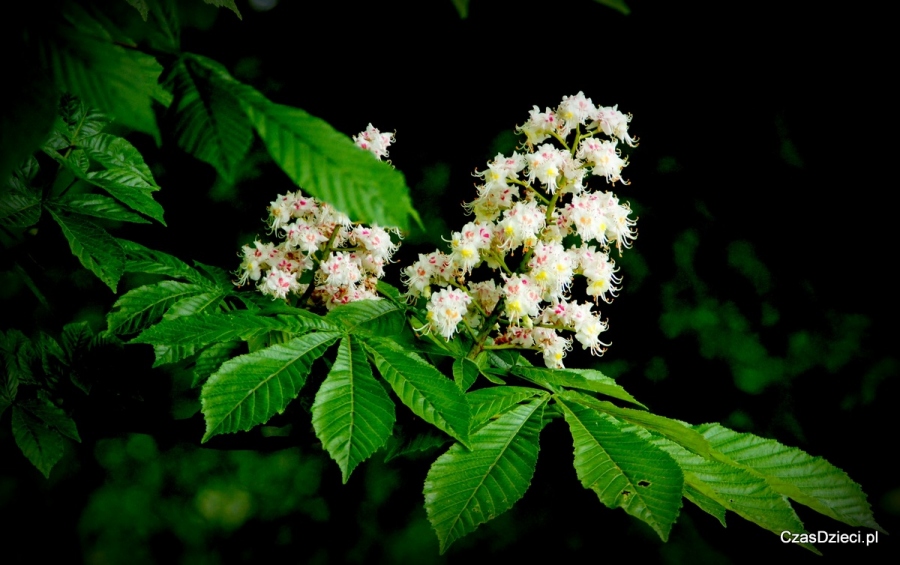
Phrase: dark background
(759, 292)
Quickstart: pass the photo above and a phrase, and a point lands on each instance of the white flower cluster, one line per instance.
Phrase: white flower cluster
(527, 206)
(345, 259)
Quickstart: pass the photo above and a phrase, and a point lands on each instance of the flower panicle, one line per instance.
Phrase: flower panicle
(322, 256)
(529, 208)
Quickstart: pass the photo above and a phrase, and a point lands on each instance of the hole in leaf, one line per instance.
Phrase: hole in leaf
(626, 493)
(643, 483)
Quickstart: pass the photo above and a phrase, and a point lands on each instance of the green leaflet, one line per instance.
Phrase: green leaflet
(141, 259)
(399, 446)
(811, 481)
(705, 503)
(20, 204)
(118, 154)
(617, 5)
(129, 188)
(94, 247)
(98, 206)
(585, 379)
(466, 488)
(715, 486)
(486, 403)
(674, 430)
(77, 122)
(429, 394)
(225, 4)
(203, 302)
(89, 60)
(52, 416)
(141, 7)
(328, 165)
(250, 389)
(40, 444)
(465, 372)
(208, 118)
(352, 414)
(204, 329)
(146, 304)
(210, 359)
(378, 318)
(624, 469)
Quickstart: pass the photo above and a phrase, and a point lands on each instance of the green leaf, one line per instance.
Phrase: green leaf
(462, 8)
(53, 416)
(422, 388)
(118, 154)
(715, 486)
(617, 5)
(141, 7)
(138, 308)
(19, 209)
(328, 165)
(624, 469)
(250, 389)
(166, 31)
(77, 123)
(95, 248)
(369, 317)
(91, 60)
(195, 304)
(679, 432)
(203, 329)
(219, 277)
(76, 337)
(225, 4)
(209, 121)
(811, 481)
(416, 445)
(391, 293)
(488, 403)
(705, 503)
(98, 206)
(210, 359)
(585, 379)
(41, 445)
(465, 373)
(20, 204)
(466, 488)
(167, 354)
(119, 184)
(352, 413)
(144, 260)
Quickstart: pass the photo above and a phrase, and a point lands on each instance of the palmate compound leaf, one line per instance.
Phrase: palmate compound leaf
(209, 120)
(352, 413)
(326, 163)
(422, 388)
(466, 488)
(95, 248)
(249, 389)
(624, 469)
(811, 481)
